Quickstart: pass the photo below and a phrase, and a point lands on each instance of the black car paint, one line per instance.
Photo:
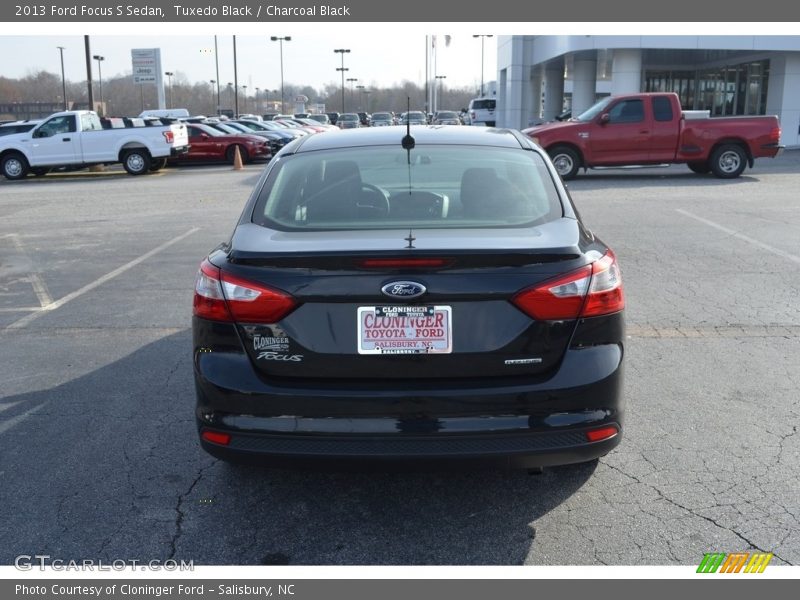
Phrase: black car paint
(332, 407)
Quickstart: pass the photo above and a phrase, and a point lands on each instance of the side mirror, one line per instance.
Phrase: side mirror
(605, 118)
(41, 133)
(203, 136)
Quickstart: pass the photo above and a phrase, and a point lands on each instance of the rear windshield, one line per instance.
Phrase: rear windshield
(376, 188)
(377, 116)
(481, 104)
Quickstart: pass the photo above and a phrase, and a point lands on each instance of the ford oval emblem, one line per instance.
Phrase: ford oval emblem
(404, 289)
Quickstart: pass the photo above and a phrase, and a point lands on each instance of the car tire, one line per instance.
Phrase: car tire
(14, 166)
(136, 161)
(566, 160)
(701, 168)
(230, 153)
(728, 161)
(157, 164)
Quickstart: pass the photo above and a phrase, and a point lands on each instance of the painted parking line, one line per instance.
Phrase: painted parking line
(35, 279)
(733, 233)
(27, 319)
(14, 421)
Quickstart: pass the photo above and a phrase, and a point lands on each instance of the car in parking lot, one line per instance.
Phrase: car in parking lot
(348, 121)
(208, 144)
(433, 298)
(382, 119)
(320, 118)
(18, 127)
(446, 117)
(414, 117)
(481, 111)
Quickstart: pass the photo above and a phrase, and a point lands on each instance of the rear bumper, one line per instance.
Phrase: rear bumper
(179, 151)
(511, 422)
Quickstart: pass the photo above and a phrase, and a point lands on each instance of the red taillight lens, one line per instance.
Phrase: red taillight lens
(591, 291)
(220, 296)
(597, 435)
(209, 302)
(775, 134)
(215, 437)
(168, 136)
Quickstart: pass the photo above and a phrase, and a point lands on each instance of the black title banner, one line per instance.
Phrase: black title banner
(466, 11)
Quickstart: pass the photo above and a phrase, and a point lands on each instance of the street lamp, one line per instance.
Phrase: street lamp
(257, 109)
(280, 41)
(360, 89)
(212, 82)
(63, 79)
(244, 87)
(169, 74)
(351, 80)
(342, 51)
(99, 60)
(482, 40)
(230, 93)
(441, 88)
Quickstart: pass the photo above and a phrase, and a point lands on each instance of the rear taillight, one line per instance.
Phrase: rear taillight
(591, 291)
(602, 433)
(216, 437)
(404, 263)
(775, 134)
(220, 296)
(168, 136)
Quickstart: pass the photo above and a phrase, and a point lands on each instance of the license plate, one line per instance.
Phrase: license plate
(405, 330)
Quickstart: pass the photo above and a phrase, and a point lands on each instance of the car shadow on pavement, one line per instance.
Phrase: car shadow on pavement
(107, 466)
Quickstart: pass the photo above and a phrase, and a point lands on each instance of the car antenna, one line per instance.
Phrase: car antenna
(408, 140)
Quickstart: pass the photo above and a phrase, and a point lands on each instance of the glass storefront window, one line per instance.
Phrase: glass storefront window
(730, 90)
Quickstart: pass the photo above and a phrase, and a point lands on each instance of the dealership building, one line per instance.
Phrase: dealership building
(541, 76)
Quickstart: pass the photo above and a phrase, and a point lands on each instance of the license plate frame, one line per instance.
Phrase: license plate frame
(436, 320)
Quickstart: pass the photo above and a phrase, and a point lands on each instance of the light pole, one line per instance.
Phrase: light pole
(360, 89)
(230, 93)
(257, 109)
(212, 82)
(216, 61)
(483, 37)
(366, 102)
(351, 81)
(169, 75)
(441, 90)
(342, 51)
(99, 60)
(244, 87)
(280, 41)
(63, 79)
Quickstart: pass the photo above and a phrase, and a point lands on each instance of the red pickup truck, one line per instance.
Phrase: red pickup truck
(651, 129)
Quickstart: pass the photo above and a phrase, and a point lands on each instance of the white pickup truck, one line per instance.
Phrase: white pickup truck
(77, 139)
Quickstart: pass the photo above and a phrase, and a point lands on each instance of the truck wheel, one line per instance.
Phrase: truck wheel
(728, 161)
(230, 153)
(14, 166)
(566, 161)
(136, 161)
(700, 168)
(157, 164)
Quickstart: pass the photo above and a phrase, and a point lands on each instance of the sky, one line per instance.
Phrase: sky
(379, 56)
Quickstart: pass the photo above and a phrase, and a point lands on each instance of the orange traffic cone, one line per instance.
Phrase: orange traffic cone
(237, 160)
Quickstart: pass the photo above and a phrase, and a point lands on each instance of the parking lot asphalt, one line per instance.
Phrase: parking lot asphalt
(98, 451)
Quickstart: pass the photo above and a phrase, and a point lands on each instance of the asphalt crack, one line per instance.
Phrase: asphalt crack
(661, 495)
(180, 514)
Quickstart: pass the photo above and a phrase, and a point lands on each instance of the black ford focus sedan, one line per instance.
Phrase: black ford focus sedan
(429, 295)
